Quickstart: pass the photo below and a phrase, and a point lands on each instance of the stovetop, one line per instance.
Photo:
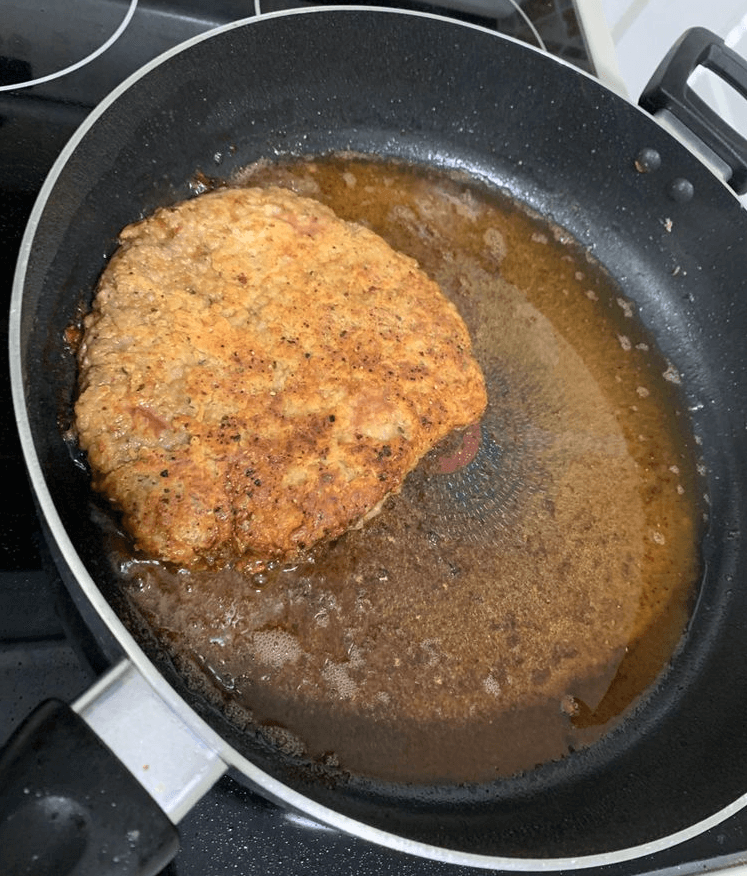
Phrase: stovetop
(45, 650)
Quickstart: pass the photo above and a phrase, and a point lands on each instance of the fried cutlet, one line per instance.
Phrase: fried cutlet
(257, 375)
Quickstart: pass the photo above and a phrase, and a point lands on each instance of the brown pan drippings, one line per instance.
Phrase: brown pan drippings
(533, 576)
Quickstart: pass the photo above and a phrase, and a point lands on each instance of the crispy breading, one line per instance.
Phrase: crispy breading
(257, 375)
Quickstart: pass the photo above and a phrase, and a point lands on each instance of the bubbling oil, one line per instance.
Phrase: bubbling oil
(532, 578)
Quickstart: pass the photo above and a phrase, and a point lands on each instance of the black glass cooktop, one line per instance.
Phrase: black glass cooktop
(44, 648)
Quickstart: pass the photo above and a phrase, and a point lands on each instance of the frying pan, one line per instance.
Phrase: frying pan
(444, 94)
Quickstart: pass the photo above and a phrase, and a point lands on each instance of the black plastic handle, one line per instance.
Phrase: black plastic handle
(69, 807)
(668, 90)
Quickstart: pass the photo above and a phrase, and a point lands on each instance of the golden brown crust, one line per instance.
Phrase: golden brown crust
(257, 375)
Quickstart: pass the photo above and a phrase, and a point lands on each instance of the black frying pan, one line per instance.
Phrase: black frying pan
(443, 94)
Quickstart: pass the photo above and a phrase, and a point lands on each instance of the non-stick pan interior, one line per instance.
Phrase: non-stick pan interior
(442, 94)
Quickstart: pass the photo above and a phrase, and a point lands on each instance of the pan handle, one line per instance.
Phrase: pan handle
(668, 91)
(71, 806)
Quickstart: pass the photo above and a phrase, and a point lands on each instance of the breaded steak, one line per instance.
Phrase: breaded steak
(256, 375)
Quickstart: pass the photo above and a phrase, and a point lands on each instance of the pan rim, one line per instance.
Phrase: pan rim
(269, 786)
